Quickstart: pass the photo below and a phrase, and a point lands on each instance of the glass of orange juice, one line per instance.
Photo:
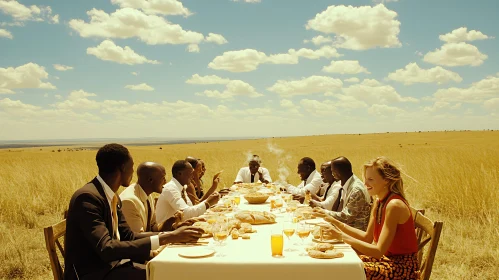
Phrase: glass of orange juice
(276, 243)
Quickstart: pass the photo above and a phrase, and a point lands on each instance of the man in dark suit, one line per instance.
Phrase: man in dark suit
(99, 244)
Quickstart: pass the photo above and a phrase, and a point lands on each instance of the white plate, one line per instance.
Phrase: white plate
(314, 221)
(196, 253)
(331, 241)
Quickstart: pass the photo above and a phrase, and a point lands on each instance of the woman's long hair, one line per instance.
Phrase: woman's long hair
(390, 172)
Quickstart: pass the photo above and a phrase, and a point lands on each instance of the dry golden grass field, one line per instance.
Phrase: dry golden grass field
(456, 173)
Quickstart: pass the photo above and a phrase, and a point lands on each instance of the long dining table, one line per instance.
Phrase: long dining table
(251, 259)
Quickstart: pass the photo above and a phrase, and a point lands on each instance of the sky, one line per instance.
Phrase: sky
(246, 68)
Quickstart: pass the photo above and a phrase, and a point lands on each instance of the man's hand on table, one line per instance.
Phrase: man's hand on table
(213, 199)
(298, 198)
(314, 203)
(181, 235)
(319, 212)
(188, 222)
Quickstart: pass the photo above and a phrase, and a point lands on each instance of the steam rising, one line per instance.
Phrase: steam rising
(282, 159)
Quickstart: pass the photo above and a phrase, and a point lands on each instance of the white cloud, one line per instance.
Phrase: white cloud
(456, 54)
(60, 67)
(347, 102)
(5, 34)
(78, 100)
(306, 86)
(108, 51)
(413, 74)
(54, 19)
(58, 96)
(207, 80)
(216, 38)
(492, 104)
(135, 73)
(232, 89)
(320, 108)
(20, 12)
(441, 105)
(373, 92)
(155, 7)
(319, 40)
(382, 110)
(248, 60)
(359, 28)
(418, 53)
(345, 67)
(476, 93)
(128, 23)
(29, 75)
(238, 61)
(193, 48)
(463, 35)
(143, 87)
(352, 80)
(290, 106)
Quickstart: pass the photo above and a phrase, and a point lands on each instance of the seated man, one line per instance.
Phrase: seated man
(353, 203)
(138, 204)
(99, 243)
(331, 189)
(174, 197)
(311, 179)
(253, 173)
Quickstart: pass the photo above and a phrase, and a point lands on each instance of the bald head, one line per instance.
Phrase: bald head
(151, 177)
(342, 168)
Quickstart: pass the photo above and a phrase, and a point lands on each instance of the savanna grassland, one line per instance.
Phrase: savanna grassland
(455, 178)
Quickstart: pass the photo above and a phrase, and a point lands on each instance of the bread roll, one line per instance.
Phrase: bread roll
(255, 217)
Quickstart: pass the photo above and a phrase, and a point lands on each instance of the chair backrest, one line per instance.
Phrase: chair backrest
(427, 232)
(419, 232)
(52, 242)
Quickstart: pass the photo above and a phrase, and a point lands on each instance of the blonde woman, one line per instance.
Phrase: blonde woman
(389, 246)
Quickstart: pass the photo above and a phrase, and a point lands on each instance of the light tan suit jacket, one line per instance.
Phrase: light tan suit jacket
(134, 207)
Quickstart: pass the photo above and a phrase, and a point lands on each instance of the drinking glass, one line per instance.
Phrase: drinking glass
(289, 229)
(276, 243)
(303, 231)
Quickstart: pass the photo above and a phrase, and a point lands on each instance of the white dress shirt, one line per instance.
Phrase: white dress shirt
(330, 196)
(109, 195)
(170, 201)
(313, 184)
(244, 175)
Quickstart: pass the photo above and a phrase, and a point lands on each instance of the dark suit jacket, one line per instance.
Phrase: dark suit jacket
(90, 250)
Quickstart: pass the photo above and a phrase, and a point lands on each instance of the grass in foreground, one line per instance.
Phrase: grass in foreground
(456, 177)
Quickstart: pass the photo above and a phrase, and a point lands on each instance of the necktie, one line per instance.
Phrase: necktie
(327, 189)
(336, 205)
(182, 193)
(148, 227)
(252, 178)
(114, 212)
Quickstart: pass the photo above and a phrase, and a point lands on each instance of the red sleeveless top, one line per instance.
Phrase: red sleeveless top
(405, 241)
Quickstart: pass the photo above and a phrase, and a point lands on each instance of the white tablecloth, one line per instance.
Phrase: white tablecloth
(251, 259)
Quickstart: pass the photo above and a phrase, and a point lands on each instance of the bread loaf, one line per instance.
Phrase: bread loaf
(255, 217)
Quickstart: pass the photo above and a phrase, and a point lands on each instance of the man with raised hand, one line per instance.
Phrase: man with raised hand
(174, 196)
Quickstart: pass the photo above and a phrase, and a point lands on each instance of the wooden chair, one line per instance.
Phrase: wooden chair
(428, 232)
(52, 236)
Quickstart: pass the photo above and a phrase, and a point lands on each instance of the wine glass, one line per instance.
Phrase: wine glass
(220, 234)
(303, 231)
(289, 229)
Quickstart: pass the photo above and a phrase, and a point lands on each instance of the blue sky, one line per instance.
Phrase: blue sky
(218, 68)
